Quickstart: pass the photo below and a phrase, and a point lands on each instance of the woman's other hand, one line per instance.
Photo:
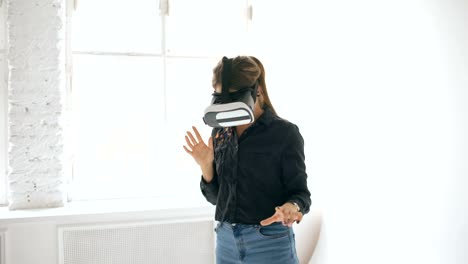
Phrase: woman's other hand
(287, 214)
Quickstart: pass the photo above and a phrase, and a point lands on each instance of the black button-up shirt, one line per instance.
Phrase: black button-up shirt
(254, 173)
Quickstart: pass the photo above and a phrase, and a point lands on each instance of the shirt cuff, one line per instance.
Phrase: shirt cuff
(206, 185)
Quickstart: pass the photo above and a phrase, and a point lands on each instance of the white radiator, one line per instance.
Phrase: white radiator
(138, 243)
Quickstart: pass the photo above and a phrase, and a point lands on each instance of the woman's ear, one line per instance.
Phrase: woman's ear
(259, 91)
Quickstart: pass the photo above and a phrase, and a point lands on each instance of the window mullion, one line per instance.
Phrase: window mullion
(163, 12)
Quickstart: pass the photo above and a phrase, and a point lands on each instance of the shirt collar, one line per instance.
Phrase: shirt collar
(266, 117)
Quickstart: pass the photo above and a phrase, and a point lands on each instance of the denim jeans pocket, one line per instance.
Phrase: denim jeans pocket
(273, 231)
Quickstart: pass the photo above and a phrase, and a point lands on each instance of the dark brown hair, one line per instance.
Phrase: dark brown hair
(261, 82)
(244, 73)
(246, 70)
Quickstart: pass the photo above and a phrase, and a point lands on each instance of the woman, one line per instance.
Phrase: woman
(255, 175)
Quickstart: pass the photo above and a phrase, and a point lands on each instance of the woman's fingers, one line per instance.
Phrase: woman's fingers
(277, 217)
(195, 141)
(187, 150)
(199, 138)
(189, 143)
(299, 217)
(284, 215)
(292, 217)
(271, 220)
(192, 139)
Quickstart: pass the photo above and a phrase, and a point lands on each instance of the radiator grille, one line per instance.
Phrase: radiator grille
(138, 243)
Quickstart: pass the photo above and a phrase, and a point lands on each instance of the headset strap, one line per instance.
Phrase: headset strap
(226, 80)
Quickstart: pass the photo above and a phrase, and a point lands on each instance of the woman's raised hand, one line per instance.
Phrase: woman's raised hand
(202, 153)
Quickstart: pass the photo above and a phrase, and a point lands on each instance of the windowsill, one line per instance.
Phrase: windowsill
(107, 210)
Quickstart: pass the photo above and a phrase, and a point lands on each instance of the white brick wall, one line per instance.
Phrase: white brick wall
(3, 107)
(36, 92)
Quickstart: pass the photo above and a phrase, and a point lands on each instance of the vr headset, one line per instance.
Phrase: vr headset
(231, 109)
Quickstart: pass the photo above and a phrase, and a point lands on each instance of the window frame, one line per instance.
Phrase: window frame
(164, 54)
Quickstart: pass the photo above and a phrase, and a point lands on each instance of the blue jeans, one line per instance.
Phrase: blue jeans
(255, 244)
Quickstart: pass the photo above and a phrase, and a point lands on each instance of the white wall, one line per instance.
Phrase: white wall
(454, 237)
(31, 243)
(3, 108)
(379, 90)
(36, 93)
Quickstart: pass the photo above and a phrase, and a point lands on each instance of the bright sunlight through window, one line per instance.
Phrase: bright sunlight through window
(141, 78)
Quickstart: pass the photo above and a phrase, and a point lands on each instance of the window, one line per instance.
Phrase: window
(141, 77)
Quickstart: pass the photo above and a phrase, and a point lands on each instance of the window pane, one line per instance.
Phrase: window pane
(118, 107)
(206, 27)
(117, 26)
(189, 92)
(269, 27)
